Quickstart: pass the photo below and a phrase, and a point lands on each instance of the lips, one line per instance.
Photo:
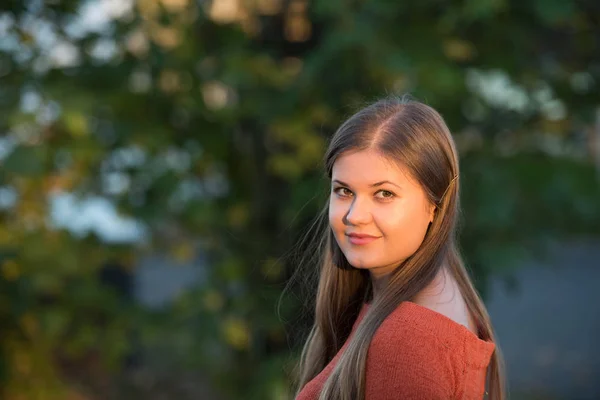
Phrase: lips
(361, 238)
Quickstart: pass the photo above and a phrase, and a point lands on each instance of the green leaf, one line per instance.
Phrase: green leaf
(554, 11)
(26, 160)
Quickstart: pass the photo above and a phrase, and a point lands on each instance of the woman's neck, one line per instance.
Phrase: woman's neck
(440, 287)
(441, 295)
(378, 283)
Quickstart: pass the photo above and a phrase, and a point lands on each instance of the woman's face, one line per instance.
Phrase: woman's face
(370, 195)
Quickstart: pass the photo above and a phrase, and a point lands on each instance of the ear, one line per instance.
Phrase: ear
(432, 209)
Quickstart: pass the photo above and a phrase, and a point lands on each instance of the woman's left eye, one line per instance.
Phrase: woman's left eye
(385, 194)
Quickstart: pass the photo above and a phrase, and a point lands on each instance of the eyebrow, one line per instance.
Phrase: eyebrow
(373, 185)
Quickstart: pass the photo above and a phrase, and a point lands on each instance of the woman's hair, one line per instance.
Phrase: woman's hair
(417, 138)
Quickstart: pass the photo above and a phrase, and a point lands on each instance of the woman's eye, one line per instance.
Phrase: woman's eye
(385, 194)
(342, 191)
(382, 194)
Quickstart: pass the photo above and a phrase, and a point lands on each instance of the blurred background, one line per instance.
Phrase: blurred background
(160, 159)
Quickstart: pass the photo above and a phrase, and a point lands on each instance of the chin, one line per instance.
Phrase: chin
(360, 263)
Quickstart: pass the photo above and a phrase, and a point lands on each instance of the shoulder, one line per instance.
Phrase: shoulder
(418, 353)
(408, 361)
(443, 295)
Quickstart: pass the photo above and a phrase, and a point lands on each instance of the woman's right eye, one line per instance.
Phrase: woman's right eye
(342, 191)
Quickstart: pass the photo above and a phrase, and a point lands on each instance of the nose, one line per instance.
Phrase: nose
(359, 213)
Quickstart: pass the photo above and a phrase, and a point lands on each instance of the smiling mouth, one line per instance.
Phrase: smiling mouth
(361, 240)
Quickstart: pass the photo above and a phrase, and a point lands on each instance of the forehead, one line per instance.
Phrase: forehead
(367, 166)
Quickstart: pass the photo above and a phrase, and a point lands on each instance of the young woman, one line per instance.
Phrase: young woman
(396, 314)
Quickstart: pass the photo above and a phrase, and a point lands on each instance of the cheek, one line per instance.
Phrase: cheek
(391, 222)
(334, 220)
(405, 227)
(335, 215)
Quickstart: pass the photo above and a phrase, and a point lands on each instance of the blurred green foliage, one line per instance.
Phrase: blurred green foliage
(206, 121)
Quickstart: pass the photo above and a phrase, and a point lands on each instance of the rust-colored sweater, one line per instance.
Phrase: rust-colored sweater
(417, 354)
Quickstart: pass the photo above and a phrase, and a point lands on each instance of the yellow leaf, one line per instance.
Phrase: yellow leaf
(268, 7)
(183, 252)
(271, 268)
(10, 270)
(7, 237)
(213, 301)
(225, 11)
(285, 166)
(175, 6)
(236, 332)
(29, 324)
(238, 215)
(22, 362)
(76, 123)
(459, 50)
(311, 149)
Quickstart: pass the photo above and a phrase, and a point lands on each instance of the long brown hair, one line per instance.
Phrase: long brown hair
(416, 136)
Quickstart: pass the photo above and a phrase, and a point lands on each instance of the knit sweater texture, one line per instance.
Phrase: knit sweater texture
(417, 354)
